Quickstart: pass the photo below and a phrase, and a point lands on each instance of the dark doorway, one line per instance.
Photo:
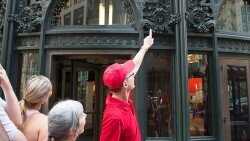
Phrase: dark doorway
(79, 77)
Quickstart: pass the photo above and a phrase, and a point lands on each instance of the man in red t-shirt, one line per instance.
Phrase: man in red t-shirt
(119, 119)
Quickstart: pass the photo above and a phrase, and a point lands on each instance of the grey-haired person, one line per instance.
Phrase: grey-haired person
(66, 121)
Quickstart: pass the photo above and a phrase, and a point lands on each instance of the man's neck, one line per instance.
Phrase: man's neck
(122, 95)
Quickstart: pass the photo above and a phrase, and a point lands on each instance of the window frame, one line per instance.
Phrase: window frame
(213, 96)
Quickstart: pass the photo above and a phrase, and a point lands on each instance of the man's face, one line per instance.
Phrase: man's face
(130, 80)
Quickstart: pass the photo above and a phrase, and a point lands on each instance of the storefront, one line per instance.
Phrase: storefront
(194, 82)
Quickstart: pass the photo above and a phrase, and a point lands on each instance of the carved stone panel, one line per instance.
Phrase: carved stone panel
(164, 42)
(233, 45)
(91, 41)
(200, 42)
(157, 15)
(199, 16)
(28, 42)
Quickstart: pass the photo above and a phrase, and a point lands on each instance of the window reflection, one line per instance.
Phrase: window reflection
(234, 16)
(159, 113)
(78, 16)
(90, 12)
(67, 19)
(199, 98)
(86, 94)
(238, 95)
(238, 102)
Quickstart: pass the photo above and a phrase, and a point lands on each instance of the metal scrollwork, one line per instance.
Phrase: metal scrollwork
(30, 17)
(2, 14)
(158, 17)
(199, 16)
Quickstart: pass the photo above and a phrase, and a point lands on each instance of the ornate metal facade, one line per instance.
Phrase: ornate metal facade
(199, 16)
(233, 45)
(2, 18)
(128, 6)
(2, 14)
(93, 40)
(165, 42)
(155, 14)
(158, 16)
(200, 43)
(30, 16)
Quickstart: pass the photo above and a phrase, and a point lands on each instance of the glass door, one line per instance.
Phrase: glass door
(235, 97)
(85, 90)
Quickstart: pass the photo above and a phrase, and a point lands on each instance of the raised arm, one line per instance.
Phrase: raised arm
(148, 42)
(12, 107)
(8, 126)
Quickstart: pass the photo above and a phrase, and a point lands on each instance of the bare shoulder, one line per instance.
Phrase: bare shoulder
(40, 118)
(33, 126)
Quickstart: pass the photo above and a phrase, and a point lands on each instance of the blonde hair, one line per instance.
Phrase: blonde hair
(37, 88)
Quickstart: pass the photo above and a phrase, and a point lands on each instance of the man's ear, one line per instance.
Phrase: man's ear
(125, 84)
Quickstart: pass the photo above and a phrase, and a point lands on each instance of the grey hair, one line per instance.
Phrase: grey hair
(63, 117)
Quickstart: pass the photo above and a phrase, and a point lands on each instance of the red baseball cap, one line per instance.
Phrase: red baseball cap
(115, 74)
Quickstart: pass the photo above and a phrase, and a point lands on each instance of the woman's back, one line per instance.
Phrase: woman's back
(37, 91)
(35, 126)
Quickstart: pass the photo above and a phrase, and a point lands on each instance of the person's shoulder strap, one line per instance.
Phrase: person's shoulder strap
(3, 134)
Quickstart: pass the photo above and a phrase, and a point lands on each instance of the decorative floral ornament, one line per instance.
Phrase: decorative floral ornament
(158, 17)
(199, 16)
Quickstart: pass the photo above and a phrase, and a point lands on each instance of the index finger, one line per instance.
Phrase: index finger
(150, 32)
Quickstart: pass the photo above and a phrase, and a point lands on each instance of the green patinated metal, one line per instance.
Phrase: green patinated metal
(179, 34)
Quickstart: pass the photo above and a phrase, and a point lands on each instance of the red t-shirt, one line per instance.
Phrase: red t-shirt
(119, 121)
